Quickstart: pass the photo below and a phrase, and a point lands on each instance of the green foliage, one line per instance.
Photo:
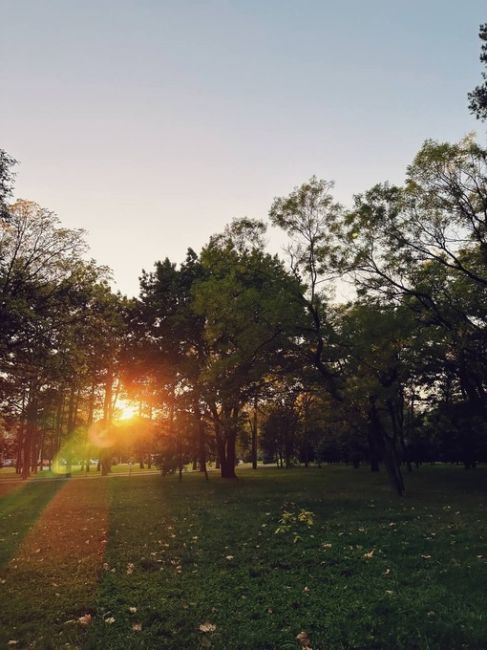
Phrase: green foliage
(6, 182)
(294, 523)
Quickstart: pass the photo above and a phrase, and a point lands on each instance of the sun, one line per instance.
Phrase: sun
(125, 410)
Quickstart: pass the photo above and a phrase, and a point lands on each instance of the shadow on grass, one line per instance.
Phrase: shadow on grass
(373, 572)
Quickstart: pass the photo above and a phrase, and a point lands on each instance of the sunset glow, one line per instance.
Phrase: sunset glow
(125, 410)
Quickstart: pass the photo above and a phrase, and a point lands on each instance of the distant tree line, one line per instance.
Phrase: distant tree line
(237, 354)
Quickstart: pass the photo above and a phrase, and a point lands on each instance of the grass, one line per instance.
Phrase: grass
(373, 571)
(19, 509)
(76, 470)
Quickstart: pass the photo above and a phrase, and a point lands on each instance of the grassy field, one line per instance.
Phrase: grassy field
(147, 562)
(122, 468)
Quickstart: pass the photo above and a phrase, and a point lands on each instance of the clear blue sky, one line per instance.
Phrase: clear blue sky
(152, 123)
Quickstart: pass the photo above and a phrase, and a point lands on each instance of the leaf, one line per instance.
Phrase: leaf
(85, 620)
(207, 627)
(303, 639)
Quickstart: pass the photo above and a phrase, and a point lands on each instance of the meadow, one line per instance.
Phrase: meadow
(280, 559)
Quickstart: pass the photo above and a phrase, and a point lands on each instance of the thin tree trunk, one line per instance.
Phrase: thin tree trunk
(228, 460)
(254, 434)
(201, 444)
(89, 423)
(29, 434)
(107, 419)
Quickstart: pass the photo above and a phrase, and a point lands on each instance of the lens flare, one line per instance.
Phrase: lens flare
(71, 453)
(100, 435)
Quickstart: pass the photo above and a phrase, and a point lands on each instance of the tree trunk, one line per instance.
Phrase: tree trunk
(29, 434)
(254, 435)
(373, 451)
(89, 423)
(105, 456)
(201, 444)
(386, 445)
(227, 456)
(105, 463)
(393, 468)
(21, 435)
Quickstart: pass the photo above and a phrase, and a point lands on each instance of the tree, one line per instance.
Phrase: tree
(439, 215)
(379, 346)
(308, 216)
(424, 246)
(58, 336)
(39, 264)
(426, 243)
(166, 351)
(251, 309)
(478, 96)
(6, 182)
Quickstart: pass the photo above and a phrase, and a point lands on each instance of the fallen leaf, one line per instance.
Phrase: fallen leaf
(207, 627)
(303, 639)
(85, 620)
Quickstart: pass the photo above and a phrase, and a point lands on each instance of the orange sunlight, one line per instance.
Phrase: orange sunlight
(125, 410)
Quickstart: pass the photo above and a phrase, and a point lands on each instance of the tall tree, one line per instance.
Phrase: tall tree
(308, 215)
(251, 309)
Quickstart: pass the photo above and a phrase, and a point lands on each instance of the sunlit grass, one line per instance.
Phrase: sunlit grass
(19, 510)
(77, 471)
(54, 563)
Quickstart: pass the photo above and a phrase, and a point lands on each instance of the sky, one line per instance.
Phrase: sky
(153, 123)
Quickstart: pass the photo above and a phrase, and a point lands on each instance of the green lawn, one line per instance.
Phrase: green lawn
(122, 468)
(373, 571)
